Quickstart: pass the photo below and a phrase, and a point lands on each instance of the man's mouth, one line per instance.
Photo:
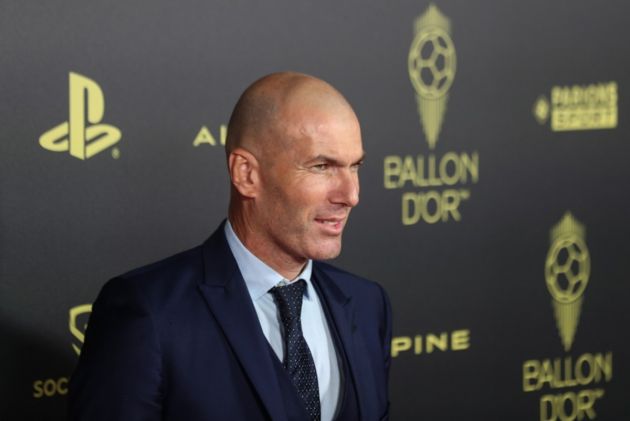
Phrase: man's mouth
(328, 221)
(331, 225)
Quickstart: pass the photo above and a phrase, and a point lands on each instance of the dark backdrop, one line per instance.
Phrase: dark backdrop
(516, 120)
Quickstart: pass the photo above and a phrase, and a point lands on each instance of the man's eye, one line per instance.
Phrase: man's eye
(320, 167)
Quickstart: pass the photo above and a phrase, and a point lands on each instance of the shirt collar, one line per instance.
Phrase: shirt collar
(259, 277)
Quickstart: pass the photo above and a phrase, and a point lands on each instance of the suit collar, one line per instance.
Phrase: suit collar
(340, 304)
(229, 302)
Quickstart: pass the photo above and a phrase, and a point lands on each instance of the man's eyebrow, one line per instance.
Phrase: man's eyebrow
(333, 161)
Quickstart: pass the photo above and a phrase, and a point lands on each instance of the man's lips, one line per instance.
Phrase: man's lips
(332, 225)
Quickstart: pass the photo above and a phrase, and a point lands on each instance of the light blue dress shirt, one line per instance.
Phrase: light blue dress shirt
(259, 279)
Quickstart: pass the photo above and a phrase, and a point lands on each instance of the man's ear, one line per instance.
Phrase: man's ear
(244, 172)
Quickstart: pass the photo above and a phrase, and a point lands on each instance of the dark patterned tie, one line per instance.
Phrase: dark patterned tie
(298, 360)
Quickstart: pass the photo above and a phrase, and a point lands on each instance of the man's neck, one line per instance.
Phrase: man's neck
(287, 267)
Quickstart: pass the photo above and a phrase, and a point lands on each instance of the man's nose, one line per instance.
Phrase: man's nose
(347, 191)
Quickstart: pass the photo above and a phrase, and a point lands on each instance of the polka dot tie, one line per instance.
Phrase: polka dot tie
(298, 360)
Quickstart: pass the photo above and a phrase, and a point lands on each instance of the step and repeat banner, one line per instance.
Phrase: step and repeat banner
(494, 203)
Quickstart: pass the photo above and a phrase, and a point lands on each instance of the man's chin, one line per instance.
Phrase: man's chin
(327, 251)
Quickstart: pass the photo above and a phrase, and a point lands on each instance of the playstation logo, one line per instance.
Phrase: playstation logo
(82, 135)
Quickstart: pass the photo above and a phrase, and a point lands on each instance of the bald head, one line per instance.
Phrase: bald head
(271, 111)
(294, 150)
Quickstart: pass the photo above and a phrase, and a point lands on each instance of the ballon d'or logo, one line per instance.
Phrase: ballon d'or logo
(431, 66)
(567, 271)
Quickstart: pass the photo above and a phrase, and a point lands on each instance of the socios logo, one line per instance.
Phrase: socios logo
(567, 271)
(58, 386)
(83, 135)
(431, 64)
(77, 323)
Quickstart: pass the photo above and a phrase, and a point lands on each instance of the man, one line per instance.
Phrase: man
(250, 325)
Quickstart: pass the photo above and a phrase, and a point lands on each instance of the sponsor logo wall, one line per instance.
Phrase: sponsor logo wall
(494, 195)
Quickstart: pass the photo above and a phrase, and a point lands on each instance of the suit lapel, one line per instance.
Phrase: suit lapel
(228, 299)
(342, 311)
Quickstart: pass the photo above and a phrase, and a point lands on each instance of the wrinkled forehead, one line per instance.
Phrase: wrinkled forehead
(321, 123)
(313, 106)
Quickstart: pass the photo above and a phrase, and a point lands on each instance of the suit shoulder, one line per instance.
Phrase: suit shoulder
(161, 281)
(166, 268)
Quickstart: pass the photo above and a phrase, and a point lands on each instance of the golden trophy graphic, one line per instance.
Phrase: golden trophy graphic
(567, 271)
(431, 66)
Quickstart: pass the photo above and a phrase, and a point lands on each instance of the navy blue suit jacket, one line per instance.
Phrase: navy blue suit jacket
(180, 340)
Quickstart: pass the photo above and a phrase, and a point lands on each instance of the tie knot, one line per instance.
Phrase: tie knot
(289, 300)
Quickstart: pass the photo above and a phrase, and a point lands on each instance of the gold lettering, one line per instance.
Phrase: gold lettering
(460, 340)
(547, 408)
(432, 201)
(559, 373)
(432, 206)
(50, 387)
(391, 167)
(432, 179)
(570, 405)
(422, 171)
(450, 177)
(205, 136)
(400, 344)
(408, 172)
(38, 389)
(62, 386)
(531, 371)
(471, 164)
(417, 340)
(546, 374)
(450, 205)
(584, 107)
(457, 340)
(434, 341)
(584, 361)
(603, 363)
(410, 208)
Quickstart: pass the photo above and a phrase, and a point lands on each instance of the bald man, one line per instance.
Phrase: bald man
(251, 325)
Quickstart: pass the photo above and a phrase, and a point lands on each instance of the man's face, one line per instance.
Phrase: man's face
(309, 186)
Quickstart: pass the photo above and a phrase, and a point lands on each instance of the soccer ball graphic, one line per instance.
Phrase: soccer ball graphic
(567, 269)
(432, 63)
